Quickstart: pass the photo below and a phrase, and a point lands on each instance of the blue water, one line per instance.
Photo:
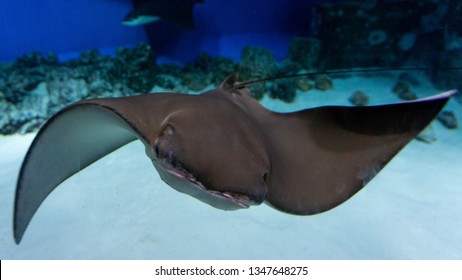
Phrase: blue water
(119, 207)
(222, 27)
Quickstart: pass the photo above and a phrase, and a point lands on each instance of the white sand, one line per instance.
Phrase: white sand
(118, 208)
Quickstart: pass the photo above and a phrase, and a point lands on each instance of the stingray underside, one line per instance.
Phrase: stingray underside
(71, 140)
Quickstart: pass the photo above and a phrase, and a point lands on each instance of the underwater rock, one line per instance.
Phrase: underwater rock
(400, 86)
(304, 52)
(258, 90)
(169, 69)
(33, 111)
(168, 82)
(427, 135)
(19, 83)
(169, 77)
(23, 75)
(288, 67)
(135, 67)
(379, 33)
(197, 75)
(90, 57)
(448, 119)
(408, 95)
(403, 91)
(196, 81)
(206, 70)
(36, 104)
(221, 68)
(27, 116)
(33, 87)
(283, 89)
(4, 116)
(323, 82)
(257, 63)
(35, 59)
(359, 98)
(63, 89)
(303, 83)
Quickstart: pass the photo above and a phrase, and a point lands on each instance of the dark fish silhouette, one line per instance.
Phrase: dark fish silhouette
(223, 148)
(179, 12)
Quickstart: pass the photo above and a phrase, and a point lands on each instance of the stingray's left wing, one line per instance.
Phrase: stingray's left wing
(321, 157)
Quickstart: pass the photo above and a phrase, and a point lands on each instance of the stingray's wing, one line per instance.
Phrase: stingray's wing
(74, 138)
(321, 157)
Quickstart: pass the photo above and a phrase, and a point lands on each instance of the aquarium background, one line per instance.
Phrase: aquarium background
(222, 27)
(54, 53)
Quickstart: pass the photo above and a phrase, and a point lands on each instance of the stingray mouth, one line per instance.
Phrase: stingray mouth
(176, 175)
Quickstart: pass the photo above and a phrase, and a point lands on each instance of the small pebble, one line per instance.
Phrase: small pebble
(303, 84)
(448, 119)
(403, 91)
(427, 135)
(323, 82)
(359, 98)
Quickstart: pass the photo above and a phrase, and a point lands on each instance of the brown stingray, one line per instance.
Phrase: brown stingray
(225, 149)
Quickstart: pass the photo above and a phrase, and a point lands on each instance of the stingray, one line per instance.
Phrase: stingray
(179, 12)
(225, 149)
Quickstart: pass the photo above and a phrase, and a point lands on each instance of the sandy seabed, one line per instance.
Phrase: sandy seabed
(118, 208)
